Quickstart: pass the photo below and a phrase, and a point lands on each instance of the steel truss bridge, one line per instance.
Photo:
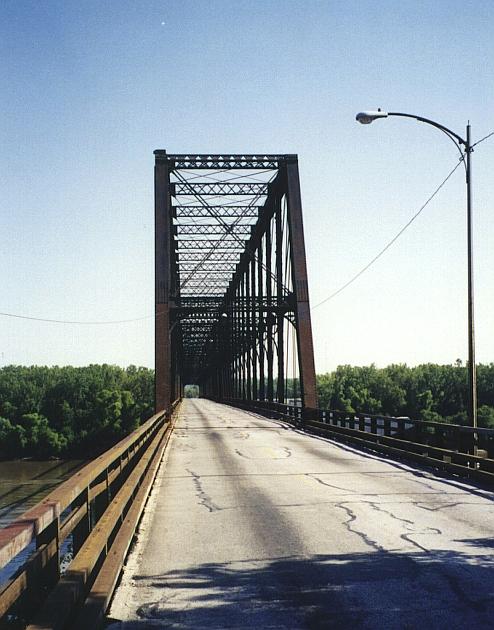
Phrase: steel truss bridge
(331, 525)
(232, 303)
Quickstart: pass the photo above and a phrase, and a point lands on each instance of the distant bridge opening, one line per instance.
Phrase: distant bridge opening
(232, 303)
(191, 391)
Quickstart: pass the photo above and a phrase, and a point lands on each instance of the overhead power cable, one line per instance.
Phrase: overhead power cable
(482, 139)
(83, 323)
(330, 297)
(393, 240)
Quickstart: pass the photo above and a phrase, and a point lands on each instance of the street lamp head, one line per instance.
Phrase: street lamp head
(365, 118)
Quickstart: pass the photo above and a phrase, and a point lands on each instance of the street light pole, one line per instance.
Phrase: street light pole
(366, 118)
(472, 372)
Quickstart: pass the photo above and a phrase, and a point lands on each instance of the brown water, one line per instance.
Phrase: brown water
(24, 483)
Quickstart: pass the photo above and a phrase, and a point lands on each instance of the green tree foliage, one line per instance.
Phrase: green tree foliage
(437, 393)
(69, 411)
(191, 391)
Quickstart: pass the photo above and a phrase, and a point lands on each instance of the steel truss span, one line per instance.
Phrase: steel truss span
(232, 304)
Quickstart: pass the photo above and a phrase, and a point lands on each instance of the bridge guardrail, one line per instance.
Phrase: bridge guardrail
(463, 450)
(97, 509)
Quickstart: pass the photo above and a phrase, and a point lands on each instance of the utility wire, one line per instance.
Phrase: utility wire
(330, 297)
(393, 240)
(482, 139)
(83, 323)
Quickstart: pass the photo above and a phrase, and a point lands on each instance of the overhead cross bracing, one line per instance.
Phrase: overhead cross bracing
(231, 285)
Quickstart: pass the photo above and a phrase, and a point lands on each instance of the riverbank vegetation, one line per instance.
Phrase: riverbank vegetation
(70, 411)
(78, 412)
(436, 393)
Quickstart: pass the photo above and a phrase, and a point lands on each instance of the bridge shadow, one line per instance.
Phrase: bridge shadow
(483, 543)
(377, 590)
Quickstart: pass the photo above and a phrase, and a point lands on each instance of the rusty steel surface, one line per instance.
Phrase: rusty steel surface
(74, 508)
(306, 349)
(232, 304)
(58, 609)
(162, 286)
(97, 600)
(17, 535)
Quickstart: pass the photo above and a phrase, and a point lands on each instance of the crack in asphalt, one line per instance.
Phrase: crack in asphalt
(363, 536)
(204, 499)
(438, 508)
(408, 524)
(284, 448)
(242, 435)
(329, 485)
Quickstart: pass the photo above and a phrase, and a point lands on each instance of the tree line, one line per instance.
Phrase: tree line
(80, 411)
(70, 411)
(435, 393)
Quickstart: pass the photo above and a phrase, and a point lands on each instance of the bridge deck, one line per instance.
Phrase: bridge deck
(252, 524)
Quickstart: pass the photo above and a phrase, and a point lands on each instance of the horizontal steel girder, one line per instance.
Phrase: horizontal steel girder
(218, 188)
(225, 211)
(217, 245)
(220, 161)
(192, 256)
(212, 229)
(207, 267)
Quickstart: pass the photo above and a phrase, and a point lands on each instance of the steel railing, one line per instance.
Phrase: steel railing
(95, 512)
(460, 449)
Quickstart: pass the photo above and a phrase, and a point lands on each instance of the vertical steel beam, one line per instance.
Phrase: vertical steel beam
(254, 327)
(238, 349)
(261, 319)
(235, 345)
(242, 344)
(280, 389)
(247, 334)
(305, 345)
(269, 314)
(162, 238)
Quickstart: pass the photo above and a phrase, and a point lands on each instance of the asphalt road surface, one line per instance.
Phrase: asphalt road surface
(252, 524)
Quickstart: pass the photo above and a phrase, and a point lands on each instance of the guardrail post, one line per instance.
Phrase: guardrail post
(51, 571)
(101, 501)
(400, 428)
(82, 529)
(387, 426)
(418, 433)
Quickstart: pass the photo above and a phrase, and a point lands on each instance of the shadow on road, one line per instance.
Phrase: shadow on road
(441, 589)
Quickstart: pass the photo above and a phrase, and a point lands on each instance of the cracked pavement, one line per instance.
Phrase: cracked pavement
(253, 524)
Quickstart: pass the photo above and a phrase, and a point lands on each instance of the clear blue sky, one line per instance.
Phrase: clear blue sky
(89, 89)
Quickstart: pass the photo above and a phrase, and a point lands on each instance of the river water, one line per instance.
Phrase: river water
(24, 483)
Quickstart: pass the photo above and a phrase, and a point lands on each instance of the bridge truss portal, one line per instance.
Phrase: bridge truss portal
(232, 304)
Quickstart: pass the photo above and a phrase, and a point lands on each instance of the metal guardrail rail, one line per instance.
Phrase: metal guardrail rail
(98, 510)
(464, 451)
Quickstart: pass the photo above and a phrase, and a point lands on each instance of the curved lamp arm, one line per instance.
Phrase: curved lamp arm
(367, 117)
(433, 123)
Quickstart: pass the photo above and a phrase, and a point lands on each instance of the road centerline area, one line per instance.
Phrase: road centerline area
(253, 524)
